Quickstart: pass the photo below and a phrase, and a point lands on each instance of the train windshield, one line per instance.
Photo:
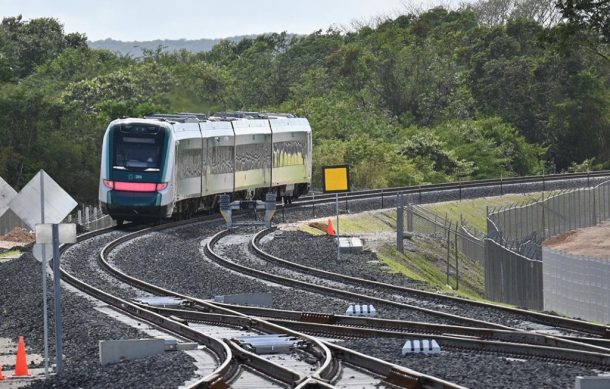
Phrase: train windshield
(138, 148)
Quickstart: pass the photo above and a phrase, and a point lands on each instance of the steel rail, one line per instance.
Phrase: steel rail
(458, 185)
(328, 368)
(376, 366)
(558, 321)
(223, 353)
(339, 293)
(326, 373)
(587, 344)
(478, 339)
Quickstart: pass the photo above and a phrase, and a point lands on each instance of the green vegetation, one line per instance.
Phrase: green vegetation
(474, 212)
(10, 254)
(424, 258)
(494, 89)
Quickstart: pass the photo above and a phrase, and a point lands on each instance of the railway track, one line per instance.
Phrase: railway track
(493, 187)
(539, 317)
(533, 345)
(391, 373)
(330, 364)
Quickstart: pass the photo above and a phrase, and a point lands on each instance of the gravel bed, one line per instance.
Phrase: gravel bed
(178, 262)
(235, 248)
(320, 252)
(83, 327)
(476, 370)
(82, 261)
(174, 259)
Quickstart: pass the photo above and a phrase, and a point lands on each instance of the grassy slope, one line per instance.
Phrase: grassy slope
(425, 258)
(474, 211)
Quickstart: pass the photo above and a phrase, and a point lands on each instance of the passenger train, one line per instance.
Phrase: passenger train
(163, 165)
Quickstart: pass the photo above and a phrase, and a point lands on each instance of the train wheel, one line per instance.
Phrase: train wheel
(119, 222)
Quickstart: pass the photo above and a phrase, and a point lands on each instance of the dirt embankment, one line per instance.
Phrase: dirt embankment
(17, 237)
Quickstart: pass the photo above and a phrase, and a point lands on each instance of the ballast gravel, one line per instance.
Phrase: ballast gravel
(320, 252)
(21, 311)
(180, 265)
(475, 370)
(21, 314)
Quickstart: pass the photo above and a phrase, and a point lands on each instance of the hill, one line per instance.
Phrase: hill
(134, 48)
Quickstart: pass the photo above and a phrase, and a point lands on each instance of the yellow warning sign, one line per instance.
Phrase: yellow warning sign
(336, 178)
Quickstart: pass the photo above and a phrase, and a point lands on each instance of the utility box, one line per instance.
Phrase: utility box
(350, 245)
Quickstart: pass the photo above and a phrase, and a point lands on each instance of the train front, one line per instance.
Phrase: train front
(135, 170)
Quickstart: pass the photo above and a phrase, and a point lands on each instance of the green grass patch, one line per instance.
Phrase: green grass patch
(10, 253)
(474, 212)
(424, 261)
(368, 222)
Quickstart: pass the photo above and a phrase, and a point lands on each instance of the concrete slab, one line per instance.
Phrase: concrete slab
(113, 351)
(599, 382)
(350, 245)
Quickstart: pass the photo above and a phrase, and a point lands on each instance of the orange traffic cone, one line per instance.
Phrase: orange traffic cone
(1, 376)
(21, 366)
(329, 229)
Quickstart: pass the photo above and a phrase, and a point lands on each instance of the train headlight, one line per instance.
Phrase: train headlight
(162, 185)
(109, 184)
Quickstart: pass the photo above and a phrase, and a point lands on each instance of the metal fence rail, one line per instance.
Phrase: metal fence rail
(514, 268)
(523, 227)
(90, 218)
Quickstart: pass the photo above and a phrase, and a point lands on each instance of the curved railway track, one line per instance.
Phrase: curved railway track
(471, 338)
(539, 317)
(231, 356)
(329, 366)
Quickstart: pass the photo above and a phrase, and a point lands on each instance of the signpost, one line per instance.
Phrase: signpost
(56, 234)
(41, 201)
(336, 180)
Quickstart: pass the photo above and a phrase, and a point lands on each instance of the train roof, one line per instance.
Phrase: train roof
(191, 117)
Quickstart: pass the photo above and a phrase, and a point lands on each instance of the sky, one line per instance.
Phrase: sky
(134, 20)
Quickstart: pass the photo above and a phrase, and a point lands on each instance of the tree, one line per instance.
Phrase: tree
(35, 42)
(588, 14)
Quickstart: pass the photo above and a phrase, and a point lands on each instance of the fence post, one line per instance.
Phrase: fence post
(448, 251)
(400, 222)
(543, 215)
(410, 217)
(79, 216)
(382, 199)
(457, 272)
(594, 215)
(501, 186)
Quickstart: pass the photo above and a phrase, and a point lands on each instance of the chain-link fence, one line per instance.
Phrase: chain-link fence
(523, 227)
(514, 268)
(576, 285)
(453, 236)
